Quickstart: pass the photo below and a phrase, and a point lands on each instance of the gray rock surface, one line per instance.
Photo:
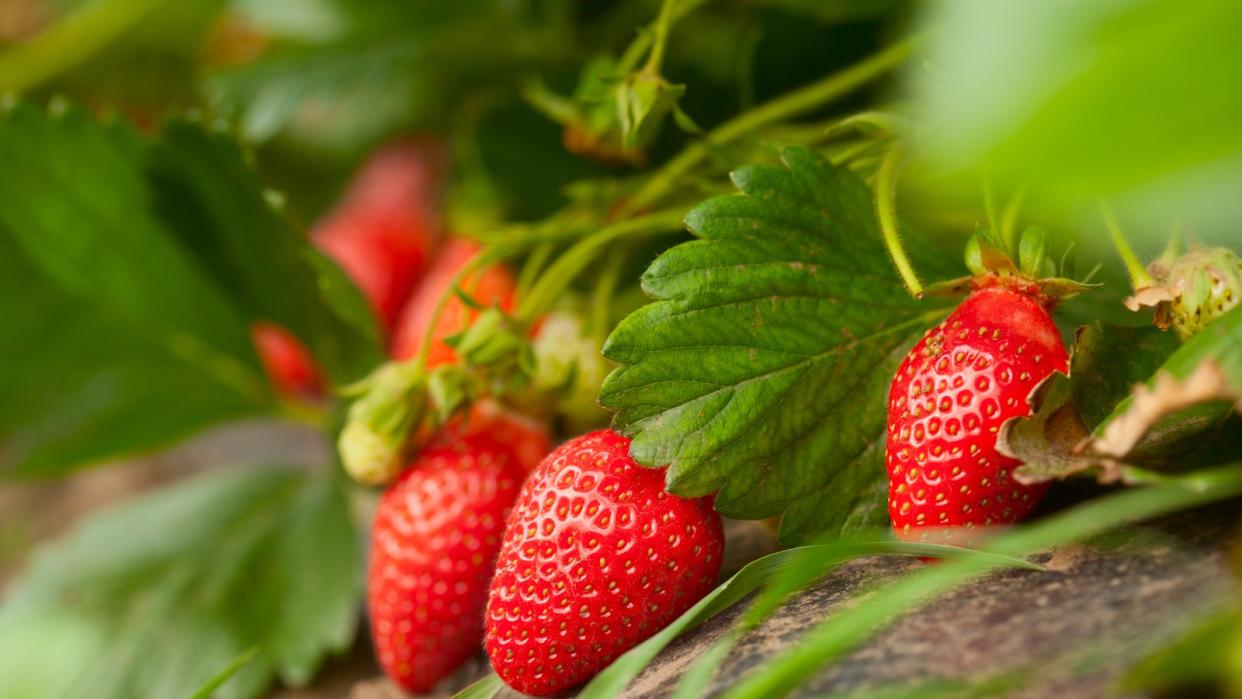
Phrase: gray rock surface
(1093, 611)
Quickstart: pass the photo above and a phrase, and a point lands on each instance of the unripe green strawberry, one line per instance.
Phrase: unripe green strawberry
(596, 558)
(955, 388)
(1202, 285)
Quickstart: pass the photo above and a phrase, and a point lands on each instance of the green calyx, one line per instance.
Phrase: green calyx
(991, 263)
(381, 424)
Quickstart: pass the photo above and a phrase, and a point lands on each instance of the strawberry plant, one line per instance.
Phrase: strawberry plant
(888, 279)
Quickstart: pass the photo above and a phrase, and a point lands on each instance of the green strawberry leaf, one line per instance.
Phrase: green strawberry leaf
(152, 597)
(763, 366)
(130, 271)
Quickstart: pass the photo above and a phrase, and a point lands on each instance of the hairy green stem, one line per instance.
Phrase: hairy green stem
(480, 260)
(1139, 277)
(655, 59)
(1009, 218)
(642, 42)
(886, 212)
(787, 106)
(567, 266)
(604, 290)
(70, 41)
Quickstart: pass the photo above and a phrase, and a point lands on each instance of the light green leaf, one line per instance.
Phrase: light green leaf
(153, 596)
(762, 367)
(1133, 100)
(485, 688)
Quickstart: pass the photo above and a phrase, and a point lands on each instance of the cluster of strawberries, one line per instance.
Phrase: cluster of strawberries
(557, 562)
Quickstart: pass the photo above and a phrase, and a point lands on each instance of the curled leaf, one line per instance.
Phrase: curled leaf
(1168, 395)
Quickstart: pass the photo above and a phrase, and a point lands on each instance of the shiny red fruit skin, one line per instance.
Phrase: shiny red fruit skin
(596, 558)
(947, 402)
(387, 225)
(493, 286)
(287, 362)
(434, 542)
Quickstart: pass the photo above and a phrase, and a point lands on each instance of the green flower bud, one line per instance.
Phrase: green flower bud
(1192, 289)
(381, 425)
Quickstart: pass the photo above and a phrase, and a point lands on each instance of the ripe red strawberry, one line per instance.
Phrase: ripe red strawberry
(381, 233)
(493, 286)
(437, 530)
(596, 558)
(386, 226)
(286, 360)
(947, 402)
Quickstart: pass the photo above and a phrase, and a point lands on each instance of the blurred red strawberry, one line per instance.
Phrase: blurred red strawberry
(382, 233)
(387, 225)
(493, 286)
(287, 362)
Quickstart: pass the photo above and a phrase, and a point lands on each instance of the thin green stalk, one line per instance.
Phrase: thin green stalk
(1009, 219)
(480, 260)
(209, 689)
(886, 212)
(534, 265)
(602, 300)
(1139, 277)
(665, 22)
(787, 106)
(989, 207)
(567, 266)
(642, 42)
(70, 41)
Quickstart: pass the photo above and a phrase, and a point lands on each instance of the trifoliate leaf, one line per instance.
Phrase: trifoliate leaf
(154, 596)
(763, 366)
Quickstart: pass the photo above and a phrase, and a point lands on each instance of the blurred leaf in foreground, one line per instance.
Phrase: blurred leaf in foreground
(152, 597)
(1134, 100)
(130, 271)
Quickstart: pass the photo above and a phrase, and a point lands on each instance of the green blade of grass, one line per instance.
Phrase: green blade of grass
(223, 676)
(485, 688)
(820, 557)
(842, 631)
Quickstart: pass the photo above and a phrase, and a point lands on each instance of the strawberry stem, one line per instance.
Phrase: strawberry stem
(560, 273)
(886, 212)
(787, 106)
(481, 259)
(1139, 277)
(656, 58)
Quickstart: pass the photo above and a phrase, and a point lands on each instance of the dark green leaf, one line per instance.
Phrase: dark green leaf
(214, 204)
(1200, 656)
(1109, 360)
(1194, 390)
(762, 367)
(130, 271)
(153, 596)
